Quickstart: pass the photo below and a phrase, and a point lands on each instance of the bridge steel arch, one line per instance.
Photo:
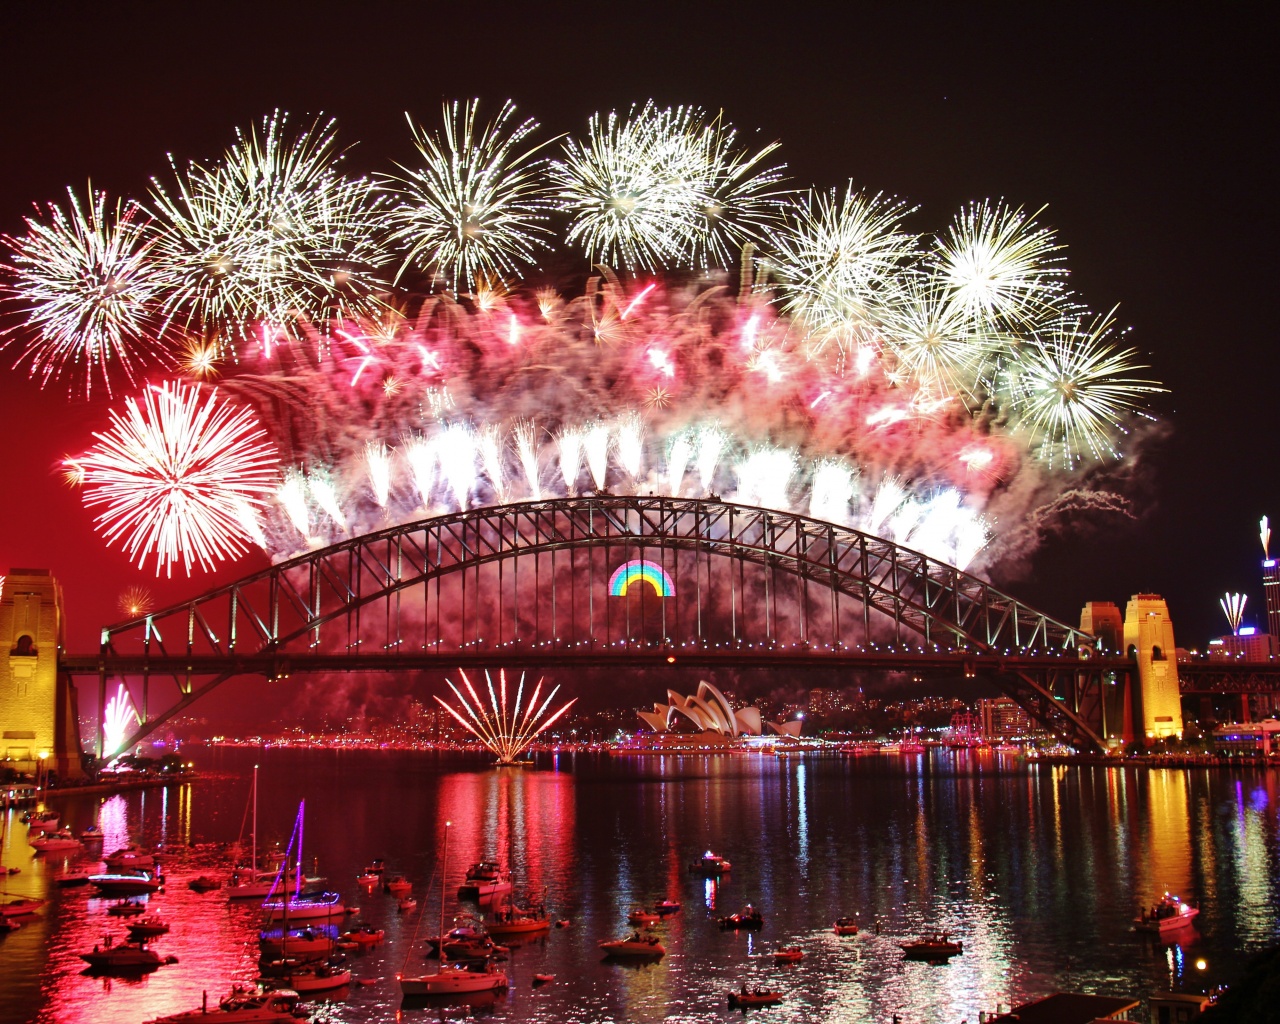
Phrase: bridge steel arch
(366, 604)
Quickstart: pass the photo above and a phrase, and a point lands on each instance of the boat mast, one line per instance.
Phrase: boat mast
(444, 873)
(253, 836)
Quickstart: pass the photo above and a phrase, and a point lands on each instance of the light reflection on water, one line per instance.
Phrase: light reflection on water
(1038, 870)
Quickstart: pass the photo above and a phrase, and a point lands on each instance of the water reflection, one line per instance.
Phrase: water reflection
(1038, 871)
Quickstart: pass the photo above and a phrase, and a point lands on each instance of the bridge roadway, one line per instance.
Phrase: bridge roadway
(275, 665)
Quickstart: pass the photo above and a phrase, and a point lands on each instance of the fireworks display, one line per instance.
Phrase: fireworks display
(505, 729)
(1233, 609)
(802, 350)
(117, 719)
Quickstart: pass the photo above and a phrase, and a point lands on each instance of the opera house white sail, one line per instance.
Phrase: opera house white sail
(710, 712)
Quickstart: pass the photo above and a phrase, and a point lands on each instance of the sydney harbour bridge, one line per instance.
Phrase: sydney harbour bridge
(614, 581)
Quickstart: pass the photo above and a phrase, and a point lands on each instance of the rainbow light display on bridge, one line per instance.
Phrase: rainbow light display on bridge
(640, 570)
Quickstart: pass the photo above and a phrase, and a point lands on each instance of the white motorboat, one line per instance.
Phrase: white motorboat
(123, 957)
(92, 834)
(42, 821)
(316, 978)
(242, 1006)
(50, 841)
(147, 928)
(473, 976)
(137, 883)
(710, 864)
(130, 858)
(20, 906)
(1170, 914)
(485, 879)
(635, 945)
(643, 915)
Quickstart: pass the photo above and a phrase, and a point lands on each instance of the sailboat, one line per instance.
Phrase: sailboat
(299, 906)
(250, 883)
(452, 978)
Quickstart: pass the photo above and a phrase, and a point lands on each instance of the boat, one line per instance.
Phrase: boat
(147, 928)
(931, 946)
(42, 821)
(543, 979)
(316, 977)
(20, 906)
(562, 922)
(846, 926)
(742, 999)
(124, 957)
(485, 879)
(299, 942)
(306, 907)
(665, 907)
(368, 878)
(204, 883)
(135, 883)
(406, 904)
(642, 915)
(71, 881)
(126, 908)
(396, 885)
(92, 834)
(7, 925)
(1168, 915)
(513, 922)
(634, 945)
(449, 978)
(748, 917)
(49, 841)
(249, 883)
(789, 955)
(242, 1006)
(130, 858)
(364, 935)
(710, 864)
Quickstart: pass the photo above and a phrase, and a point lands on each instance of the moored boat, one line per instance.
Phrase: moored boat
(127, 908)
(931, 946)
(241, 1006)
(643, 915)
(485, 879)
(317, 906)
(49, 841)
(789, 955)
(513, 922)
(710, 864)
(397, 885)
(124, 957)
(130, 858)
(147, 928)
(20, 906)
(1170, 914)
(300, 942)
(665, 907)
(742, 999)
(846, 926)
(316, 977)
(136, 883)
(364, 935)
(92, 834)
(634, 945)
(748, 917)
(204, 883)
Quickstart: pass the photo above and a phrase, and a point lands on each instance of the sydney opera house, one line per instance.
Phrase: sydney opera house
(712, 717)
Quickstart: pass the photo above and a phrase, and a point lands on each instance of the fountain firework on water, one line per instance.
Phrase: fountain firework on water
(926, 388)
(507, 731)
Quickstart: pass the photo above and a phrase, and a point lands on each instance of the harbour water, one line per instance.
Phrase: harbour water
(1038, 870)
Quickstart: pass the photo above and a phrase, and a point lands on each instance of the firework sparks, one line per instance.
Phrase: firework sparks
(85, 285)
(135, 601)
(477, 206)
(169, 472)
(118, 718)
(1233, 609)
(508, 732)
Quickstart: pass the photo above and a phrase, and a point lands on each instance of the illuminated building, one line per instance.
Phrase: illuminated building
(1248, 738)
(38, 721)
(710, 712)
(1271, 594)
(1148, 638)
(823, 702)
(1247, 645)
(1004, 719)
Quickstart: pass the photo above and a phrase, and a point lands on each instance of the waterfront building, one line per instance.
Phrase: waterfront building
(710, 712)
(1148, 639)
(1247, 645)
(1004, 719)
(1248, 738)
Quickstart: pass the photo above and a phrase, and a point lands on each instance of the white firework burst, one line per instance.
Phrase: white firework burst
(840, 257)
(84, 284)
(476, 208)
(996, 262)
(274, 233)
(1073, 391)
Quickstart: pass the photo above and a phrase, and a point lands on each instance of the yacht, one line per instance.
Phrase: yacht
(634, 945)
(130, 858)
(710, 864)
(473, 976)
(307, 907)
(128, 956)
(642, 915)
(21, 905)
(135, 883)
(49, 841)
(147, 928)
(484, 880)
(300, 942)
(316, 977)
(242, 1006)
(1168, 915)
(932, 946)
(513, 922)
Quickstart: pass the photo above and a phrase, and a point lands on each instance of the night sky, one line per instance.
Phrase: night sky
(1147, 136)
